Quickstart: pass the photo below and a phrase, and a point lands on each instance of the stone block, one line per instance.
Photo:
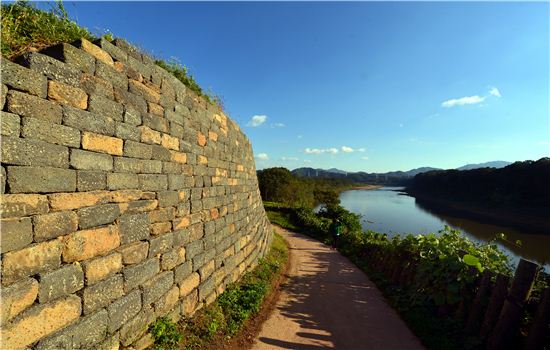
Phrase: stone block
(40, 321)
(206, 270)
(94, 85)
(133, 227)
(136, 275)
(134, 253)
(67, 95)
(72, 57)
(86, 160)
(138, 206)
(128, 99)
(127, 132)
(68, 201)
(87, 121)
(64, 281)
(136, 327)
(161, 244)
(49, 226)
(103, 267)
(201, 139)
(40, 179)
(168, 198)
(109, 73)
(106, 107)
(37, 258)
(33, 153)
(98, 215)
(89, 180)
(182, 271)
(17, 205)
(31, 106)
(151, 166)
(94, 50)
(15, 234)
(51, 68)
(155, 109)
(24, 79)
(151, 182)
(122, 196)
(191, 282)
(101, 143)
(144, 91)
(161, 153)
(165, 214)
(87, 333)
(123, 309)
(112, 50)
(132, 116)
(160, 228)
(155, 122)
(17, 298)
(172, 258)
(128, 165)
(10, 124)
(120, 181)
(42, 130)
(157, 286)
(206, 288)
(87, 244)
(137, 150)
(150, 136)
(167, 302)
(102, 294)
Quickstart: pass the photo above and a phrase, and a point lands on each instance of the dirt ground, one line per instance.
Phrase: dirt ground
(328, 303)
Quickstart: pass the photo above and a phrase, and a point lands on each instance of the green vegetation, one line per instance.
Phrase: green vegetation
(225, 317)
(26, 28)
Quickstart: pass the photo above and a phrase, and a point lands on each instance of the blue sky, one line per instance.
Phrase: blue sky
(371, 86)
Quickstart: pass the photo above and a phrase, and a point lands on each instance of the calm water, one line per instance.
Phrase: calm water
(390, 211)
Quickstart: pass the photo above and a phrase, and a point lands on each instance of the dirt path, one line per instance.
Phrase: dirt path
(328, 303)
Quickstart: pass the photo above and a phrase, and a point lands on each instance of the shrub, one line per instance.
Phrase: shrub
(165, 334)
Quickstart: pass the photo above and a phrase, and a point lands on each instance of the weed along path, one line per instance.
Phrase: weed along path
(328, 303)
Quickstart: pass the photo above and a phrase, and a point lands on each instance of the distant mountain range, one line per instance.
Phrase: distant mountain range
(389, 178)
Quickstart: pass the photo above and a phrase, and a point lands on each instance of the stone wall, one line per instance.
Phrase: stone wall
(125, 197)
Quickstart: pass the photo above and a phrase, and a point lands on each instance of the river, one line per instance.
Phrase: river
(388, 210)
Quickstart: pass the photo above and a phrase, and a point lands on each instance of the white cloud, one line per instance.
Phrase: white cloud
(494, 92)
(347, 149)
(361, 150)
(319, 151)
(467, 100)
(365, 158)
(278, 125)
(257, 120)
(291, 159)
(332, 150)
(544, 143)
(262, 156)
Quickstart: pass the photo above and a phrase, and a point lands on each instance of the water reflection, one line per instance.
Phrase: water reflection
(393, 212)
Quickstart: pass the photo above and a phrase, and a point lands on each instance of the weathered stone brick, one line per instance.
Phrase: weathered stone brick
(123, 309)
(167, 302)
(67, 95)
(10, 124)
(151, 182)
(48, 226)
(34, 153)
(138, 274)
(68, 201)
(94, 50)
(103, 267)
(128, 165)
(17, 205)
(146, 92)
(94, 85)
(181, 223)
(89, 180)
(206, 288)
(86, 160)
(16, 298)
(21, 78)
(134, 253)
(161, 153)
(157, 286)
(98, 215)
(32, 106)
(3, 93)
(190, 304)
(172, 258)
(86, 121)
(119, 181)
(114, 51)
(151, 166)
(42, 257)
(137, 150)
(201, 139)
(133, 227)
(136, 327)
(130, 100)
(102, 143)
(15, 233)
(40, 321)
(183, 271)
(161, 244)
(40, 179)
(127, 132)
(206, 270)
(202, 160)
(87, 333)
(106, 107)
(87, 244)
(168, 198)
(212, 136)
(61, 282)
(189, 283)
(72, 56)
(138, 206)
(160, 228)
(53, 133)
(165, 214)
(132, 116)
(51, 68)
(155, 109)
(102, 294)
(171, 168)
(109, 73)
(149, 135)
(122, 196)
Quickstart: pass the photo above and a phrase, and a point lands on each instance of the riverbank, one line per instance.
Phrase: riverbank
(366, 187)
(530, 220)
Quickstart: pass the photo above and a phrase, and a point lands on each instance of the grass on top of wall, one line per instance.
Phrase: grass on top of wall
(214, 325)
(27, 28)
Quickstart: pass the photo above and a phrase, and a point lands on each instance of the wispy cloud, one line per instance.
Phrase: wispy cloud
(494, 92)
(365, 158)
(320, 151)
(467, 100)
(299, 136)
(278, 125)
(543, 143)
(347, 149)
(257, 120)
(262, 156)
(361, 150)
(401, 125)
(290, 159)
